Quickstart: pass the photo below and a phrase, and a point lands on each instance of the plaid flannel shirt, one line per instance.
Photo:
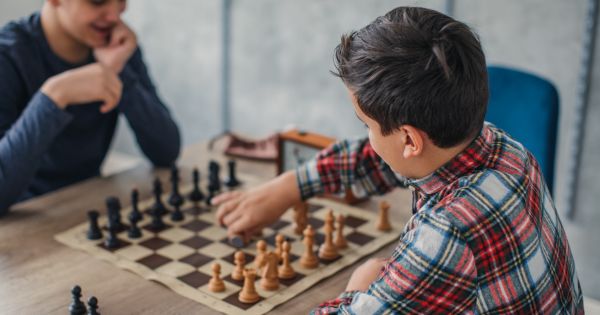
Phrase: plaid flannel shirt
(485, 237)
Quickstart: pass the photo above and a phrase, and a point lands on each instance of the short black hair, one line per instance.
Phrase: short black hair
(419, 67)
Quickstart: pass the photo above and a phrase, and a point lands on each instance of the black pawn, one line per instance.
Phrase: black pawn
(93, 306)
(157, 223)
(214, 181)
(94, 232)
(135, 212)
(196, 195)
(112, 241)
(232, 181)
(77, 307)
(175, 198)
(158, 206)
(134, 230)
(113, 206)
(177, 215)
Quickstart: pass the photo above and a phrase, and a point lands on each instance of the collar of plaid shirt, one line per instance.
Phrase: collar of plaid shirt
(476, 155)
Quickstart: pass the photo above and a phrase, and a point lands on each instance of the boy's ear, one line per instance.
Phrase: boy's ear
(413, 141)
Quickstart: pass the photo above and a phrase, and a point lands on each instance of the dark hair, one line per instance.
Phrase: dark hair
(418, 67)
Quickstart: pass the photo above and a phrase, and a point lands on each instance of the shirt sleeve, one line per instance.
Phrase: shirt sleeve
(346, 164)
(432, 271)
(24, 136)
(155, 130)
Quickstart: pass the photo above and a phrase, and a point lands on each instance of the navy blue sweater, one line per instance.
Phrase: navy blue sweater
(42, 147)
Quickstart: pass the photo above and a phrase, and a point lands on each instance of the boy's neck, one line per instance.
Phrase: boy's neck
(61, 43)
(437, 157)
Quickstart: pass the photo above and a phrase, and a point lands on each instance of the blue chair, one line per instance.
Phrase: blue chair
(526, 106)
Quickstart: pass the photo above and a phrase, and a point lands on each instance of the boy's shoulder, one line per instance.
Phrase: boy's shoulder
(18, 34)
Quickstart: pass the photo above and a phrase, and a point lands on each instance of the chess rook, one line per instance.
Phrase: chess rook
(248, 293)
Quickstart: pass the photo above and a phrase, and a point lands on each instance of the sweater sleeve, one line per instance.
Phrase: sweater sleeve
(155, 130)
(24, 136)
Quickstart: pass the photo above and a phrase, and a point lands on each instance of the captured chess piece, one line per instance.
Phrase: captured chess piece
(94, 232)
(309, 260)
(285, 270)
(175, 198)
(240, 260)
(135, 212)
(158, 206)
(196, 195)
(93, 306)
(340, 240)
(232, 180)
(237, 241)
(113, 208)
(248, 294)
(383, 223)
(300, 217)
(269, 280)
(216, 284)
(261, 252)
(328, 251)
(77, 307)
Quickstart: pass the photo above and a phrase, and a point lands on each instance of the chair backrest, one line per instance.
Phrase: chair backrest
(527, 107)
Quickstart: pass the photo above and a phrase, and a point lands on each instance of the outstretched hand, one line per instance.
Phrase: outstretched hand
(246, 213)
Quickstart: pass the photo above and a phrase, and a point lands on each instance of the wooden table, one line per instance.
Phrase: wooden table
(37, 273)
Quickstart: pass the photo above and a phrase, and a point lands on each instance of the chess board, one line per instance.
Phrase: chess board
(181, 255)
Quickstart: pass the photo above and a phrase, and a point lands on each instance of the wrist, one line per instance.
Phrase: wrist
(53, 89)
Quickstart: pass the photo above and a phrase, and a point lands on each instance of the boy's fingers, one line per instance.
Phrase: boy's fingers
(220, 198)
(231, 217)
(240, 226)
(225, 208)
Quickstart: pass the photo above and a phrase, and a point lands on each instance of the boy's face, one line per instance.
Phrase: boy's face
(391, 148)
(90, 22)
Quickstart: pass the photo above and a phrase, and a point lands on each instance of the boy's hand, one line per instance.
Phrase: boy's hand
(90, 83)
(122, 43)
(246, 213)
(365, 274)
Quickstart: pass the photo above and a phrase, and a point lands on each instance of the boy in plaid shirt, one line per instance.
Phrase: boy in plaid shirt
(485, 237)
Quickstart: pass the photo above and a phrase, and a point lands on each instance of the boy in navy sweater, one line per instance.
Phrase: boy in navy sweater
(66, 73)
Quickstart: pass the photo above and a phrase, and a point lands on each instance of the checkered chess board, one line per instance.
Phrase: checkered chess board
(181, 255)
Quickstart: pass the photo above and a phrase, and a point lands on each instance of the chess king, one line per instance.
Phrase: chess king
(484, 236)
(66, 74)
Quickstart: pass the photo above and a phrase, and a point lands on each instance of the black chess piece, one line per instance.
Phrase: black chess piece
(113, 207)
(134, 231)
(232, 180)
(196, 195)
(77, 307)
(93, 306)
(175, 197)
(112, 241)
(158, 205)
(157, 223)
(94, 232)
(214, 181)
(177, 215)
(135, 212)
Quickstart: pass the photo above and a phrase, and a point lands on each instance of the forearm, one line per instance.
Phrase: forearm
(23, 145)
(154, 128)
(346, 164)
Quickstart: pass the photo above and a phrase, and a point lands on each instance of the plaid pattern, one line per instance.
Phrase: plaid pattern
(485, 237)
